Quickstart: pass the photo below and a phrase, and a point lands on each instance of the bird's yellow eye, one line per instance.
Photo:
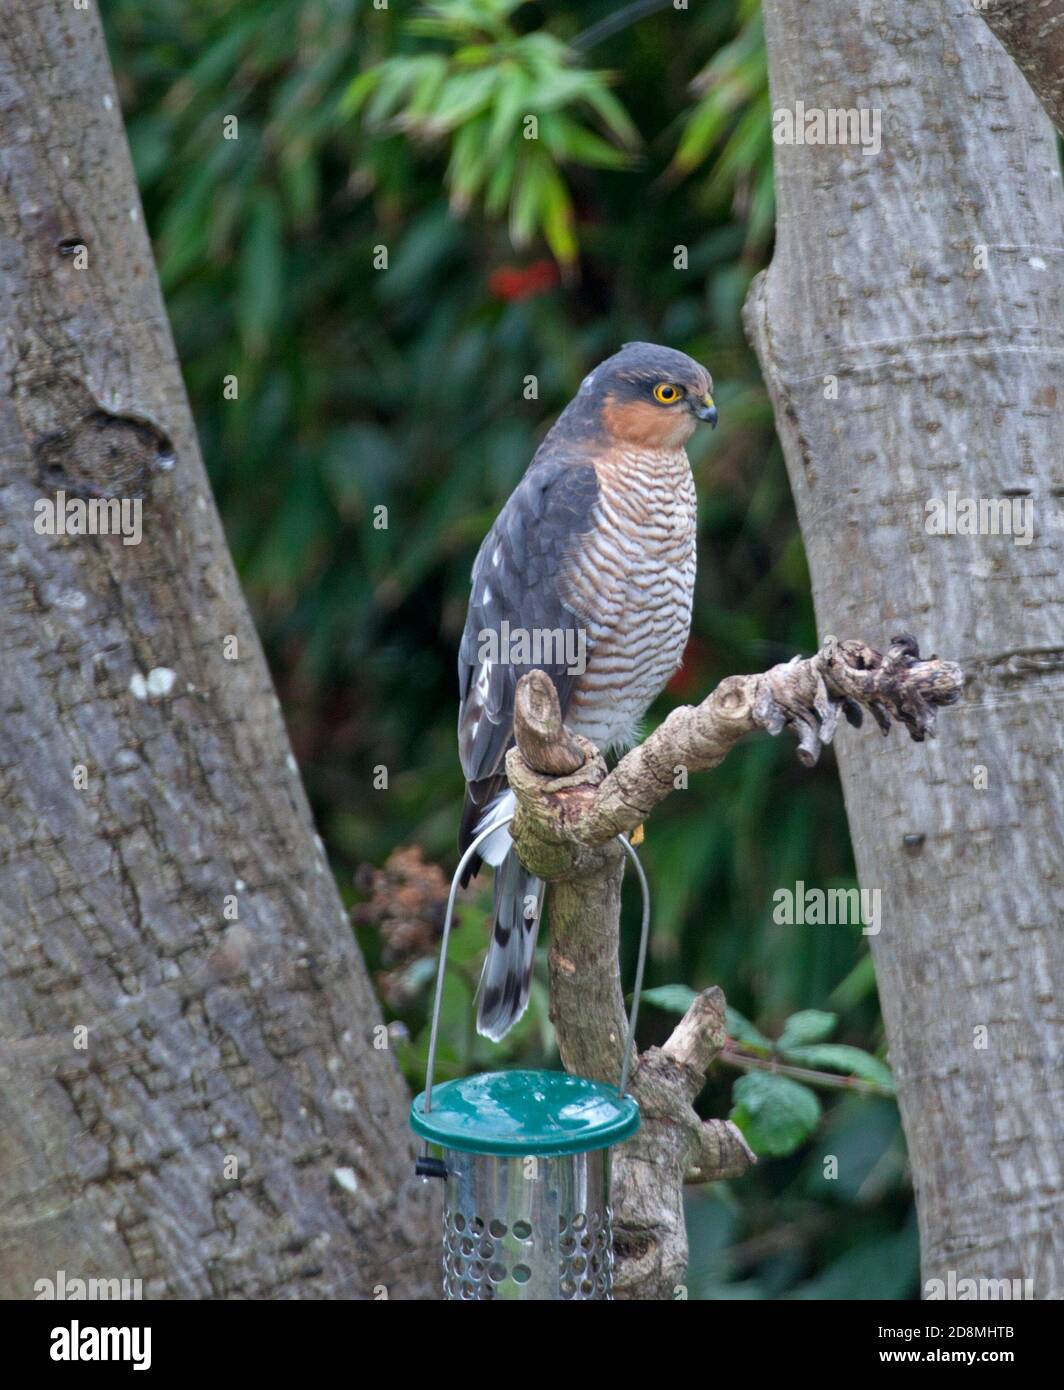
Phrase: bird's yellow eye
(666, 393)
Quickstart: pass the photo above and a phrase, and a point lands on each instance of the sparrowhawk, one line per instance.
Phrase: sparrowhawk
(588, 574)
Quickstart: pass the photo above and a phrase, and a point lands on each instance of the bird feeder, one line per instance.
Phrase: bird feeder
(526, 1164)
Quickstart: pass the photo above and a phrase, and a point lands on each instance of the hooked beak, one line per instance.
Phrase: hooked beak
(706, 410)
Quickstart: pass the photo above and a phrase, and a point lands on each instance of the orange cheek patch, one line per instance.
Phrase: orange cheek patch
(651, 426)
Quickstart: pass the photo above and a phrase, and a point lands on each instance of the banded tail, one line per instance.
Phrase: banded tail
(507, 976)
(502, 995)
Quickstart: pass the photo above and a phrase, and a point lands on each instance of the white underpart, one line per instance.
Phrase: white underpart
(497, 846)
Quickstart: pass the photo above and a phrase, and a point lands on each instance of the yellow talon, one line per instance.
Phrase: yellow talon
(636, 837)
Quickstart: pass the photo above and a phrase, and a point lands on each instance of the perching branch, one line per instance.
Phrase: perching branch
(569, 812)
(588, 807)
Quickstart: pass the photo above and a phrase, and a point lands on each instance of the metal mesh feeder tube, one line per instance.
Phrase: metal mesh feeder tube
(526, 1167)
(526, 1183)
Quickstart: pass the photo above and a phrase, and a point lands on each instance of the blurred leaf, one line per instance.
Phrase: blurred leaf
(300, 182)
(260, 293)
(612, 114)
(556, 216)
(567, 140)
(528, 198)
(886, 1268)
(775, 1113)
(860, 1134)
(674, 999)
(859, 984)
(513, 99)
(357, 91)
(744, 1032)
(806, 1026)
(360, 466)
(461, 97)
(149, 144)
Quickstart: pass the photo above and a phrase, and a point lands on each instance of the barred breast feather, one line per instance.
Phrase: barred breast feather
(641, 550)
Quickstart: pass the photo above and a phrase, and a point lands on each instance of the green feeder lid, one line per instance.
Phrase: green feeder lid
(525, 1112)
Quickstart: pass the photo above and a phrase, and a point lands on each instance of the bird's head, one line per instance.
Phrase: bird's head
(650, 396)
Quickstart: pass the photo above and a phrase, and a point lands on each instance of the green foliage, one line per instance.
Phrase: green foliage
(731, 126)
(362, 389)
(807, 1026)
(775, 1113)
(514, 108)
(778, 1118)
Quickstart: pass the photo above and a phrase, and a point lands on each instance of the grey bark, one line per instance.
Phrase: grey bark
(205, 1038)
(949, 378)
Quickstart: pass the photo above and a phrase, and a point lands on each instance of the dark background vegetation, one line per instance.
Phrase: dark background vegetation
(404, 387)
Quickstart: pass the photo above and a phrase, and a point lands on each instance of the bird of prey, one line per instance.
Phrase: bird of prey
(588, 574)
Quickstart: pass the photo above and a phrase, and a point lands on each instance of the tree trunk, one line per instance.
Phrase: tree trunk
(1032, 32)
(910, 329)
(195, 1090)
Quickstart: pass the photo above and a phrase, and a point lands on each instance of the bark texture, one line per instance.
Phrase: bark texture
(910, 331)
(146, 778)
(1032, 32)
(570, 812)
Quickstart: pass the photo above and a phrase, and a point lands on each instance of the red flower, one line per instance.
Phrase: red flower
(517, 282)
